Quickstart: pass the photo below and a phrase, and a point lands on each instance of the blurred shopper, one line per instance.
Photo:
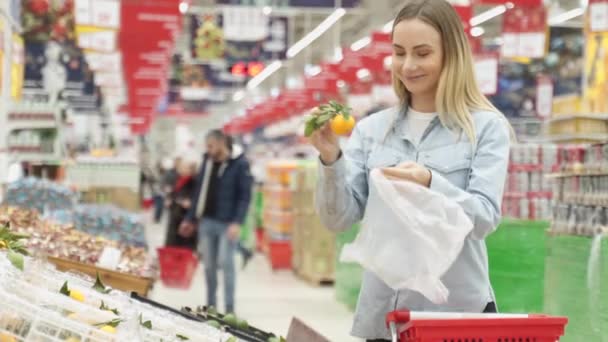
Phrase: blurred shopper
(180, 202)
(155, 180)
(245, 252)
(444, 135)
(219, 207)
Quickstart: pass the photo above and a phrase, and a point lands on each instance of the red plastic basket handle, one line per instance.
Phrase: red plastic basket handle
(397, 317)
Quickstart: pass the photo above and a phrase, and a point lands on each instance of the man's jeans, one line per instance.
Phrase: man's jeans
(217, 250)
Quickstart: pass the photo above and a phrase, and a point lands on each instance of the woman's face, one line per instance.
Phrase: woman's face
(417, 56)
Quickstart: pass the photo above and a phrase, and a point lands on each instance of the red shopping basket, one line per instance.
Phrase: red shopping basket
(496, 328)
(177, 266)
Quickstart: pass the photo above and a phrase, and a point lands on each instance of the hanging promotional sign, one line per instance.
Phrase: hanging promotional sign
(146, 61)
(57, 72)
(2, 54)
(97, 39)
(43, 20)
(525, 32)
(596, 73)
(98, 13)
(598, 15)
(210, 41)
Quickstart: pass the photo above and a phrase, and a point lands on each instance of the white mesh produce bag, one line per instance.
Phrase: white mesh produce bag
(409, 237)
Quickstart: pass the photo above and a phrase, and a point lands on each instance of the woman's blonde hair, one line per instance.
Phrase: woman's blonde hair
(457, 91)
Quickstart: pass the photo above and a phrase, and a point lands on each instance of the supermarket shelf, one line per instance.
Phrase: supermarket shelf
(591, 202)
(560, 118)
(38, 157)
(577, 174)
(579, 136)
(25, 125)
(529, 194)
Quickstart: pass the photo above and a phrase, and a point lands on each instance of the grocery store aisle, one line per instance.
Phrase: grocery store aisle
(268, 300)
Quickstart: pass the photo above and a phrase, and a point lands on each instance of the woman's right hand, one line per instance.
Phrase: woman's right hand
(327, 143)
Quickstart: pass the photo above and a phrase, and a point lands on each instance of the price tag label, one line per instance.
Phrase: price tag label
(486, 73)
(83, 11)
(110, 258)
(544, 97)
(598, 14)
(100, 41)
(532, 45)
(106, 13)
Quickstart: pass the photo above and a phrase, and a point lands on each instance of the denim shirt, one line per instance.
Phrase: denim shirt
(471, 175)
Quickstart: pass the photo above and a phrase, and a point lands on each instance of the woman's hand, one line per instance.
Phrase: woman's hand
(409, 171)
(327, 143)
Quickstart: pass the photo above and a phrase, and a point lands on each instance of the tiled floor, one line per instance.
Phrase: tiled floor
(267, 299)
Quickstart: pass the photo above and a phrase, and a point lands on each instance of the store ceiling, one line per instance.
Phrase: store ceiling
(358, 23)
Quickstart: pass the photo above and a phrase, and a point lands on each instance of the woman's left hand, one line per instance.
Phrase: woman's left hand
(409, 171)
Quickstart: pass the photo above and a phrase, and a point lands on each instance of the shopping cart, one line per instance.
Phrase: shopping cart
(409, 326)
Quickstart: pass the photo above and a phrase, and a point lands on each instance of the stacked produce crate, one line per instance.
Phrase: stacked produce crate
(278, 214)
(528, 192)
(313, 244)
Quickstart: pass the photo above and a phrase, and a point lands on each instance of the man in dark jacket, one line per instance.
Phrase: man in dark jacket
(219, 206)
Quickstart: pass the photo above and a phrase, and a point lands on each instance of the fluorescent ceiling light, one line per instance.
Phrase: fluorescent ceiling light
(487, 15)
(388, 27)
(363, 73)
(312, 70)
(360, 44)
(238, 96)
(562, 18)
(477, 31)
(268, 70)
(183, 7)
(316, 32)
(338, 56)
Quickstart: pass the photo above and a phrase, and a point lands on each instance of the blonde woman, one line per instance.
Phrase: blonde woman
(445, 135)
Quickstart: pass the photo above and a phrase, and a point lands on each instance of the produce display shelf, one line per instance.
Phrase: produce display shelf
(117, 280)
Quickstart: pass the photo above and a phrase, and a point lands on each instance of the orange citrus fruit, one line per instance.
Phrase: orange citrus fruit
(341, 125)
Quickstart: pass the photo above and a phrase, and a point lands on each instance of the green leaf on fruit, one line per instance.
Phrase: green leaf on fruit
(107, 308)
(146, 324)
(99, 286)
(65, 290)
(16, 259)
(113, 323)
(310, 128)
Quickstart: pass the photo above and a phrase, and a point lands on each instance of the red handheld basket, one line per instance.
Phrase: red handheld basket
(533, 328)
(177, 266)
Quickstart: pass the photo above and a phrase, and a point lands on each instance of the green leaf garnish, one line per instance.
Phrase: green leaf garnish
(16, 259)
(107, 308)
(99, 286)
(182, 337)
(146, 324)
(113, 323)
(65, 290)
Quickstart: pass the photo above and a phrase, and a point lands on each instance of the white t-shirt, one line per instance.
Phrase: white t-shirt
(417, 122)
